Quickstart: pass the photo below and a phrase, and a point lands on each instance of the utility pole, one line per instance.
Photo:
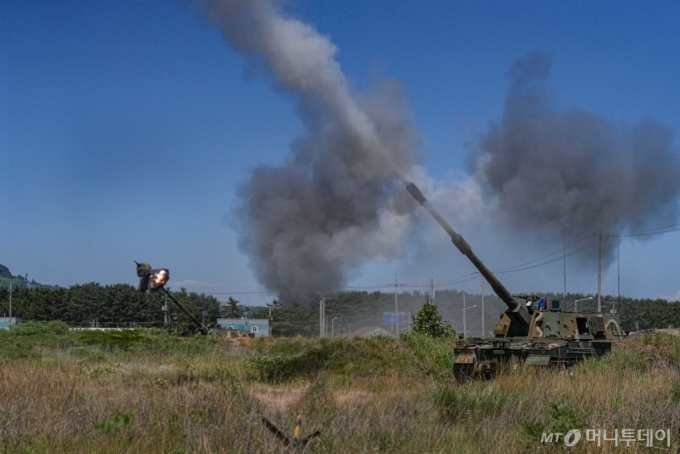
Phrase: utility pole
(10, 303)
(465, 315)
(322, 317)
(565, 268)
(618, 272)
(432, 290)
(599, 274)
(396, 304)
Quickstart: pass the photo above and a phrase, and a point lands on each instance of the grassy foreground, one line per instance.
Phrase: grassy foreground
(146, 392)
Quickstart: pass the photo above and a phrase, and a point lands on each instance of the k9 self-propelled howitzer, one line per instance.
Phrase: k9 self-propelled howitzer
(525, 334)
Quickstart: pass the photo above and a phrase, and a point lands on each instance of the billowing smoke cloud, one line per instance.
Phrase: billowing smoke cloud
(556, 171)
(331, 208)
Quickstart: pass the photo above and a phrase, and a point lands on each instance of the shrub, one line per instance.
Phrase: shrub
(429, 322)
(675, 392)
(357, 356)
(123, 339)
(117, 422)
(39, 328)
(433, 355)
(531, 430)
(566, 417)
(455, 402)
(281, 367)
(625, 360)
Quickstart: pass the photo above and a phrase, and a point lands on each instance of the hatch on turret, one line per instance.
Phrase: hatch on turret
(583, 328)
(597, 327)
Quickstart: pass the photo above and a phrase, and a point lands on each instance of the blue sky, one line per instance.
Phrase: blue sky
(126, 129)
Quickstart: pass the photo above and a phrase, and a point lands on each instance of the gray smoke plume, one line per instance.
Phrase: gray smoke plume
(557, 171)
(306, 225)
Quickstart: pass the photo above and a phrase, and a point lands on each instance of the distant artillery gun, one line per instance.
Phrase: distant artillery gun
(154, 280)
(526, 334)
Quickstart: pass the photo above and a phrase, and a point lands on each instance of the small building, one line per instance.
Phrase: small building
(369, 331)
(6, 322)
(258, 326)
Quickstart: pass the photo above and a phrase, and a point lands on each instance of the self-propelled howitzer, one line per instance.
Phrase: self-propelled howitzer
(525, 334)
(516, 312)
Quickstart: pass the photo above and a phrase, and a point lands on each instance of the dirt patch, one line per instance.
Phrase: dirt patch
(352, 399)
(280, 398)
(240, 341)
(145, 368)
(671, 331)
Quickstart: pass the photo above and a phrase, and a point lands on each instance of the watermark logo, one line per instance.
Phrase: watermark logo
(571, 438)
(646, 437)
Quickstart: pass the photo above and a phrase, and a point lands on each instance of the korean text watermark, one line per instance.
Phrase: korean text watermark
(646, 437)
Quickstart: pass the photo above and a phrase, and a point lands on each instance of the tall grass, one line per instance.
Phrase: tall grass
(159, 394)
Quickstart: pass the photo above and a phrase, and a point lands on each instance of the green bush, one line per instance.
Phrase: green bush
(433, 356)
(566, 417)
(39, 328)
(116, 422)
(429, 322)
(531, 430)
(455, 403)
(284, 348)
(20, 341)
(278, 367)
(625, 360)
(374, 355)
(123, 339)
(675, 392)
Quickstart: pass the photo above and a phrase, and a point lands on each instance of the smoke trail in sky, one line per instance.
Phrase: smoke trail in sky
(307, 224)
(552, 171)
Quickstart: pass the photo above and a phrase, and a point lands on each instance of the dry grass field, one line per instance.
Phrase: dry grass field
(140, 392)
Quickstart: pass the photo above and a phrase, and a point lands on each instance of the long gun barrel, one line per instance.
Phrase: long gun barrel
(465, 249)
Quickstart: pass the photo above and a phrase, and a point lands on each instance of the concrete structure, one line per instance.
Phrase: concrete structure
(258, 326)
(369, 331)
(5, 322)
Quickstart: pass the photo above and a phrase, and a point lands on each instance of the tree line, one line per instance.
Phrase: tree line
(94, 304)
(122, 305)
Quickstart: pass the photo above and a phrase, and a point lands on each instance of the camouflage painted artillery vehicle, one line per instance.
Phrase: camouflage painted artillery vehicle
(527, 334)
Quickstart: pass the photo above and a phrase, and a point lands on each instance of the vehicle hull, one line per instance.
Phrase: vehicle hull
(484, 358)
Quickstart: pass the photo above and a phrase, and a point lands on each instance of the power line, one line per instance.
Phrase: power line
(652, 231)
(522, 267)
(657, 231)
(544, 257)
(461, 279)
(595, 239)
(511, 269)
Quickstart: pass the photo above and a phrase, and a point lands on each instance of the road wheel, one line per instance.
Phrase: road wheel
(463, 372)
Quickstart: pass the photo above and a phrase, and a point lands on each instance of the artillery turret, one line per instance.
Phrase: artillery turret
(526, 334)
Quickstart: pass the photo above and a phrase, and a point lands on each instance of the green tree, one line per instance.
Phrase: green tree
(429, 322)
(5, 273)
(202, 306)
(232, 309)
